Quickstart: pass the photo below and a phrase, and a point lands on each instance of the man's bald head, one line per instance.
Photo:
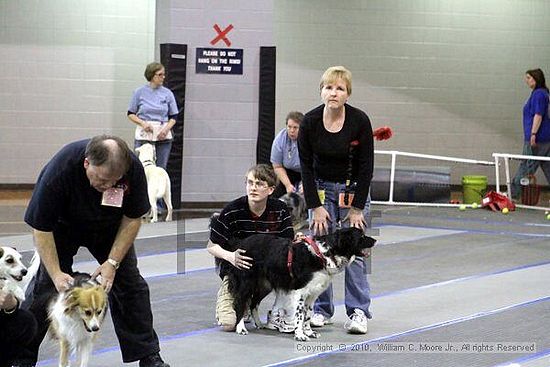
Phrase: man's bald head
(109, 152)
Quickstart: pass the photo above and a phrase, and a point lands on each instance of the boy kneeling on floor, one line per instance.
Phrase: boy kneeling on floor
(256, 212)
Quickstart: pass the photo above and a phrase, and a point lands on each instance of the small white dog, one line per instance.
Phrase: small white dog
(12, 272)
(158, 181)
(76, 316)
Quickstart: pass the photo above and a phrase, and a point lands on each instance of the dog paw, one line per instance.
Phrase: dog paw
(312, 334)
(301, 337)
(242, 331)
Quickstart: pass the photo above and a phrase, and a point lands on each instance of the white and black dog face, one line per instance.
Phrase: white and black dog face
(342, 247)
(11, 266)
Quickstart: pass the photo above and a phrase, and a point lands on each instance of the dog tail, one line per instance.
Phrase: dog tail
(31, 270)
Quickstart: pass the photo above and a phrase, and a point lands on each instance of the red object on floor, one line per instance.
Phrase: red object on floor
(496, 202)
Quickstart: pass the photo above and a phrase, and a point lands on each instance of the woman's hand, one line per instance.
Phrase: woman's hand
(356, 218)
(533, 140)
(240, 261)
(289, 188)
(163, 133)
(147, 127)
(320, 221)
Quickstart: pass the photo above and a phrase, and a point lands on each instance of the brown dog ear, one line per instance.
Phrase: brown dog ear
(71, 299)
(1, 252)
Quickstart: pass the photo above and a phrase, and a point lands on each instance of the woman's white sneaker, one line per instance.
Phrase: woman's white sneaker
(357, 323)
(319, 320)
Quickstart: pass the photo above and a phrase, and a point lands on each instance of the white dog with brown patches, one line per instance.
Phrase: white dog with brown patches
(158, 181)
(76, 316)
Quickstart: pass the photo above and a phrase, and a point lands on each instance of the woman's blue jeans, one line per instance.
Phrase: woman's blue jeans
(162, 150)
(357, 289)
(529, 167)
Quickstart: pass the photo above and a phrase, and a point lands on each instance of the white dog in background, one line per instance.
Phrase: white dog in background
(158, 181)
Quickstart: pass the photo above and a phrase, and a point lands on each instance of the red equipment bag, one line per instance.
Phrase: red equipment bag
(496, 202)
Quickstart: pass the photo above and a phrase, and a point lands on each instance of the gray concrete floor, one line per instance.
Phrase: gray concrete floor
(439, 277)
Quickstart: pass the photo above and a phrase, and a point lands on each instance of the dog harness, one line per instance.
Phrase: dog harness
(313, 244)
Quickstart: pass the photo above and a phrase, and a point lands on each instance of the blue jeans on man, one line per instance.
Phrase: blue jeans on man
(357, 289)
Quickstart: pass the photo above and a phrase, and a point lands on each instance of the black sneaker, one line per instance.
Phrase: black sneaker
(154, 360)
(17, 364)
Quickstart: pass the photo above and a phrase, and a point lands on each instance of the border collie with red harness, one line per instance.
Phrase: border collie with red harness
(305, 268)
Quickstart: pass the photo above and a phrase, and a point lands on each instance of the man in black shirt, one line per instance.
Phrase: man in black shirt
(93, 193)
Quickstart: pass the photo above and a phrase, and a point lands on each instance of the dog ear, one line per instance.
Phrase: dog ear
(1, 252)
(71, 299)
(369, 241)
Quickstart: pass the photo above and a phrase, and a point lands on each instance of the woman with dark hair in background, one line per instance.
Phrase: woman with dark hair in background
(536, 129)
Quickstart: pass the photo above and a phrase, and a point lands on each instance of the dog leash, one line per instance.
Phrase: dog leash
(352, 146)
(313, 244)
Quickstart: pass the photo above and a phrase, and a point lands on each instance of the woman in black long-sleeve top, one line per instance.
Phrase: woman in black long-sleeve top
(336, 156)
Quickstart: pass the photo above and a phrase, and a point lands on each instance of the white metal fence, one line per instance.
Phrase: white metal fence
(394, 154)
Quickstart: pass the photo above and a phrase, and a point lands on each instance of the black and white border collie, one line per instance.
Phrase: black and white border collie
(300, 271)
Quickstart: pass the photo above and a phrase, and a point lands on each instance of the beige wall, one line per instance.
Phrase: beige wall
(68, 72)
(446, 75)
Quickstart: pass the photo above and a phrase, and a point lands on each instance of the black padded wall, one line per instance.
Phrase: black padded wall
(174, 58)
(266, 108)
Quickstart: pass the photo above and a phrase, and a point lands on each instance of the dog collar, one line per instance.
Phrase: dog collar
(148, 163)
(290, 257)
(313, 244)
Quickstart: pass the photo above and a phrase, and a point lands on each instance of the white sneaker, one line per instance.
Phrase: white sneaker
(319, 320)
(280, 322)
(357, 323)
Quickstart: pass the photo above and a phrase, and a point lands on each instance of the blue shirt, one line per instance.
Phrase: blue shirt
(153, 104)
(537, 104)
(284, 151)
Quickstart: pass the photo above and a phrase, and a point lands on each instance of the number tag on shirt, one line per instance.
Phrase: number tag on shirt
(113, 197)
(344, 202)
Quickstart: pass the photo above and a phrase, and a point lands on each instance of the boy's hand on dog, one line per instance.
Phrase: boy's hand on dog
(62, 281)
(240, 261)
(107, 273)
